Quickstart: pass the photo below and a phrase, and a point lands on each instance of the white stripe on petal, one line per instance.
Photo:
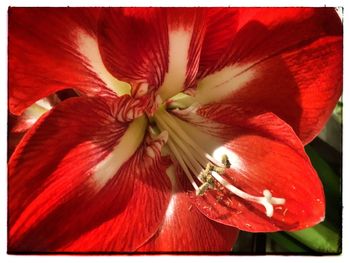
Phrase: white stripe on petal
(179, 45)
(223, 83)
(88, 47)
(121, 153)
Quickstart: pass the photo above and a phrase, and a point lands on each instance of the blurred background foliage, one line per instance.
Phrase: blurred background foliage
(325, 153)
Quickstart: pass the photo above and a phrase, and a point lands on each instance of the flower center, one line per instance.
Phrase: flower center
(203, 170)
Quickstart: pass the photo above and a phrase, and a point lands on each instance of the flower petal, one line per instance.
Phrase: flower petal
(257, 33)
(41, 63)
(300, 86)
(33, 113)
(221, 28)
(133, 44)
(265, 154)
(157, 46)
(70, 173)
(14, 137)
(144, 211)
(186, 28)
(185, 229)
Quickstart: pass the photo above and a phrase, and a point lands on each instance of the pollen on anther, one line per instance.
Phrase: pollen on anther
(227, 157)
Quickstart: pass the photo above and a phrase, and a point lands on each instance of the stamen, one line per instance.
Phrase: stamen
(182, 164)
(185, 152)
(187, 158)
(188, 151)
(192, 158)
(267, 200)
(178, 130)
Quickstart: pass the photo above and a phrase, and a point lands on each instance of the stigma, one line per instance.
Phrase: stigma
(204, 171)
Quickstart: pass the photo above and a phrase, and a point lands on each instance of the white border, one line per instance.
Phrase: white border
(3, 140)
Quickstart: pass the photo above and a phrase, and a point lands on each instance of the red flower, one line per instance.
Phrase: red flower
(190, 124)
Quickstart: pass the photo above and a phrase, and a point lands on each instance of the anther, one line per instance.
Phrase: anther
(207, 179)
(201, 190)
(225, 161)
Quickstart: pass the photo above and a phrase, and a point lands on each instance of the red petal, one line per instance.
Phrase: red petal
(257, 33)
(220, 32)
(23, 122)
(185, 229)
(186, 33)
(133, 45)
(302, 87)
(20, 124)
(42, 62)
(265, 154)
(59, 184)
(275, 59)
(14, 137)
(152, 45)
(144, 211)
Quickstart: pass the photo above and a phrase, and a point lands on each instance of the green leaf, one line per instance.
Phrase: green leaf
(331, 184)
(287, 243)
(321, 238)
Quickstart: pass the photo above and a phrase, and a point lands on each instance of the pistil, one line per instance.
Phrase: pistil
(266, 200)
